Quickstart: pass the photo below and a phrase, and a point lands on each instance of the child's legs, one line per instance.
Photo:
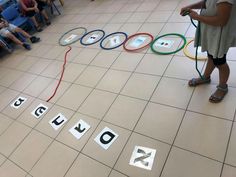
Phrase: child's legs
(34, 21)
(222, 88)
(5, 32)
(206, 76)
(224, 71)
(45, 15)
(14, 28)
(41, 6)
(14, 38)
(209, 67)
(31, 14)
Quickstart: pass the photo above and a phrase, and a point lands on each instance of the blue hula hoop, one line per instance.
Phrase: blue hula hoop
(97, 30)
(110, 48)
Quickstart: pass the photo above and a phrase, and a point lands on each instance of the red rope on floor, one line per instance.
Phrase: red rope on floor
(62, 73)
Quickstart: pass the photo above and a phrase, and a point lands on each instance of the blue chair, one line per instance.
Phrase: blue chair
(12, 15)
(6, 3)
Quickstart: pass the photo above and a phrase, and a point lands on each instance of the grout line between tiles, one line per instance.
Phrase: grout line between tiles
(227, 147)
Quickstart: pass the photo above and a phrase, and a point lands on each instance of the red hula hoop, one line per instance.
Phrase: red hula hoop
(140, 48)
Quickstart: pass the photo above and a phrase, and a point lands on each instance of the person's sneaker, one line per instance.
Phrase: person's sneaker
(34, 39)
(26, 46)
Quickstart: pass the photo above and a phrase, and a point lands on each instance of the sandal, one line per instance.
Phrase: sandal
(215, 98)
(198, 81)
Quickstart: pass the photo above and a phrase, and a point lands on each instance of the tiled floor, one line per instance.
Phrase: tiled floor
(142, 97)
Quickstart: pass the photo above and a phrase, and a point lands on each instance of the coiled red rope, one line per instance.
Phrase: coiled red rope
(62, 73)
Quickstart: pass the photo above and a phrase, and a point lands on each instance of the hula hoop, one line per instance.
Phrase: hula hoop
(187, 54)
(168, 53)
(59, 41)
(134, 35)
(107, 48)
(97, 30)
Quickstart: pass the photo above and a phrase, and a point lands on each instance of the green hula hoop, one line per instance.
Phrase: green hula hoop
(168, 53)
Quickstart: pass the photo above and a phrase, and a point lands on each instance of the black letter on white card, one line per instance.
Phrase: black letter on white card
(39, 111)
(57, 121)
(143, 157)
(79, 129)
(18, 102)
(107, 134)
(106, 137)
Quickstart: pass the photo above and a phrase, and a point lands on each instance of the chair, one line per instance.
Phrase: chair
(53, 5)
(12, 15)
(62, 2)
(6, 3)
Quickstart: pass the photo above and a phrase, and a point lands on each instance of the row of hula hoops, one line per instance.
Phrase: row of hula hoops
(103, 37)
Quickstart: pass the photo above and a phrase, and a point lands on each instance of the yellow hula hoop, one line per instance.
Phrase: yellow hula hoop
(187, 54)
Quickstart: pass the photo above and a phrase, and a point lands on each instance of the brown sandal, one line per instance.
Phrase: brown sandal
(216, 98)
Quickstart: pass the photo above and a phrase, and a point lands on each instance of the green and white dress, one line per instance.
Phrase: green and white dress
(217, 40)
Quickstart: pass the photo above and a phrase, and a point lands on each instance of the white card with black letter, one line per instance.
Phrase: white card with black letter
(18, 102)
(79, 129)
(58, 121)
(92, 38)
(143, 157)
(39, 110)
(106, 137)
(164, 43)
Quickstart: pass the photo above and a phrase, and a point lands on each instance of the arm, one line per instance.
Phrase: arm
(4, 23)
(27, 8)
(198, 5)
(35, 4)
(220, 19)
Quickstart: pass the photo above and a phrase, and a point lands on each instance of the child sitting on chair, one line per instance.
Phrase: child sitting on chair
(7, 30)
(31, 7)
(218, 24)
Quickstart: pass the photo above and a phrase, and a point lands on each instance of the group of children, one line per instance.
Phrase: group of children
(29, 8)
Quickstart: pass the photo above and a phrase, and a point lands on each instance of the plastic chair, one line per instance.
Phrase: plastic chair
(12, 15)
(54, 5)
